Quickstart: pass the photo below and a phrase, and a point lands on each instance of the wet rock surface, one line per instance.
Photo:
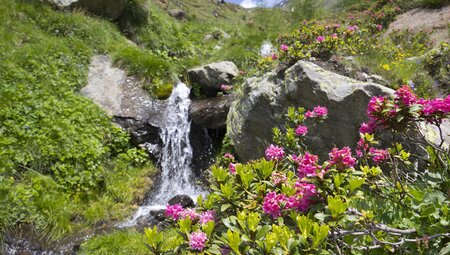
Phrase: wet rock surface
(183, 200)
(211, 112)
(121, 95)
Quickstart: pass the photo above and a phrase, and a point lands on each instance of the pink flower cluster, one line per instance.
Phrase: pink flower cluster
(232, 168)
(273, 204)
(274, 152)
(342, 159)
(307, 192)
(434, 110)
(379, 156)
(301, 130)
(206, 217)
(307, 165)
(228, 156)
(385, 113)
(320, 38)
(405, 96)
(197, 240)
(362, 146)
(319, 112)
(174, 211)
(189, 213)
(284, 47)
(177, 212)
(352, 28)
(278, 178)
(369, 127)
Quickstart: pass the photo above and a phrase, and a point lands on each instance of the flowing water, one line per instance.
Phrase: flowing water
(176, 156)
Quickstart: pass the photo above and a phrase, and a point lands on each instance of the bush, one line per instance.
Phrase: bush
(292, 203)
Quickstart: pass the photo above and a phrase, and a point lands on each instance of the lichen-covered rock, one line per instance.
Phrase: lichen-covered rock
(264, 101)
(210, 77)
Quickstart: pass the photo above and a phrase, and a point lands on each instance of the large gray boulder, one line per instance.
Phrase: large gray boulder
(210, 77)
(264, 101)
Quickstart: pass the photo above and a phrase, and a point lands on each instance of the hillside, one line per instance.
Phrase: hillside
(69, 173)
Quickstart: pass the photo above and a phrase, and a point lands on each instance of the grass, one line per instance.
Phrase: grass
(64, 166)
(118, 242)
(127, 242)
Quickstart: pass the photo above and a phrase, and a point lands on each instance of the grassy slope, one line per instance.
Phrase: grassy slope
(64, 166)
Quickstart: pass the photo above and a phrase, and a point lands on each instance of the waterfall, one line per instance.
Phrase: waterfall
(176, 156)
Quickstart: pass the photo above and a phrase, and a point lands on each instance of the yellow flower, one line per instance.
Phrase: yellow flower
(386, 67)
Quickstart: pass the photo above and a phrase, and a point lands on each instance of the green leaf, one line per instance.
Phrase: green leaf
(320, 233)
(305, 225)
(224, 207)
(253, 221)
(263, 232)
(445, 250)
(234, 240)
(336, 206)
(355, 183)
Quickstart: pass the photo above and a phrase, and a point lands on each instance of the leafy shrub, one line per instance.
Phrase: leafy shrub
(292, 203)
(437, 63)
(320, 41)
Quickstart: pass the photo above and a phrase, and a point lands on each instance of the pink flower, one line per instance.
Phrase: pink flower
(362, 146)
(435, 109)
(293, 202)
(309, 114)
(342, 158)
(174, 211)
(405, 96)
(320, 38)
(278, 178)
(320, 111)
(225, 87)
(307, 192)
(308, 166)
(379, 27)
(352, 28)
(206, 217)
(232, 168)
(272, 204)
(301, 130)
(274, 56)
(284, 47)
(228, 156)
(189, 212)
(379, 156)
(334, 36)
(197, 240)
(274, 152)
(376, 107)
(369, 127)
